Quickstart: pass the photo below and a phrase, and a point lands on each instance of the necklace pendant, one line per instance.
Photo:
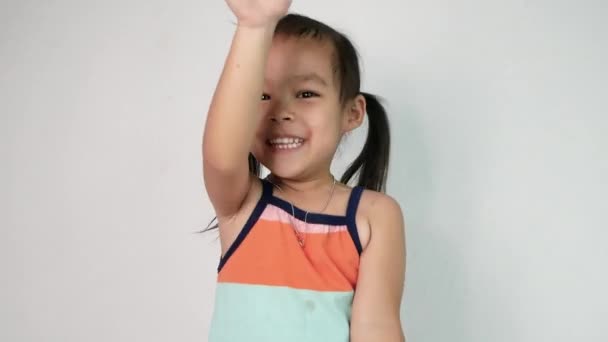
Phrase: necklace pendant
(293, 213)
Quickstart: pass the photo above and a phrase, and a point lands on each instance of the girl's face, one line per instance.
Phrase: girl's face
(302, 121)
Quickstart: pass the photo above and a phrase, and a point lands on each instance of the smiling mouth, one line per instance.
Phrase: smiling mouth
(285, 143)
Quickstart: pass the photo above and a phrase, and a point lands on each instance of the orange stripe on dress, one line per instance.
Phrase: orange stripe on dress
(271, 255)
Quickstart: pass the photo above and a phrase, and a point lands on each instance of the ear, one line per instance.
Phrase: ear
(353, 114)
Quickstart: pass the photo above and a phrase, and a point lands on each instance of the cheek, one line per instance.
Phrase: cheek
(326, 127)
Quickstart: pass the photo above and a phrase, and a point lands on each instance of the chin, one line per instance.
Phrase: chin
(282, 170)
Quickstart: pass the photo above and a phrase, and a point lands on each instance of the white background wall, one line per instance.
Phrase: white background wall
(498, 111)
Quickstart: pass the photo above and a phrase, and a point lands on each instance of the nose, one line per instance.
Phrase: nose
(281, 113)
(281, 117)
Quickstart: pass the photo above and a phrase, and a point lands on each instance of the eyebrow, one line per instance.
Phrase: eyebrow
(312, 76)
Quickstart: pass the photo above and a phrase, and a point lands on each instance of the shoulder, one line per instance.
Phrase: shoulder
(382, 215)
(380, 207)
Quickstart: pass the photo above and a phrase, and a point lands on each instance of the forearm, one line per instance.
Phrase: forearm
(234, 111)
(369, 332)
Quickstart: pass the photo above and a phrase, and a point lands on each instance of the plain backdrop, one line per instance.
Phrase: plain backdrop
(500, 162)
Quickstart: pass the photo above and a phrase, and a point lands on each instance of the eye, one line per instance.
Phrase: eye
(265, 97)
(307, 94)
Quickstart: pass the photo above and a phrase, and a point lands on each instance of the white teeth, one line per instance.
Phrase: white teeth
(286, 143)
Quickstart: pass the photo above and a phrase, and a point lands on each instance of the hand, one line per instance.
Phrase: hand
(258, 13)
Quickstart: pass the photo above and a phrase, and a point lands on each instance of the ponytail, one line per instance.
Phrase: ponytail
(254, 165)
(372, 164)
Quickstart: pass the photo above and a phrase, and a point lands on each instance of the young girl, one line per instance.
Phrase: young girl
(304, 257)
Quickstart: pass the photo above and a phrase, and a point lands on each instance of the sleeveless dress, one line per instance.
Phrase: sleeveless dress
(269, 288)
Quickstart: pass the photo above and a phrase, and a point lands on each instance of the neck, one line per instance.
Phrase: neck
(321, 182)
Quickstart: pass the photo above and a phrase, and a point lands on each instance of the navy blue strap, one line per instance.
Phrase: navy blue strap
(351, 214)
(266, 188)
(255, 215)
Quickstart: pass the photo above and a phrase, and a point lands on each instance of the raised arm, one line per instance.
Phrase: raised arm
(234, 113)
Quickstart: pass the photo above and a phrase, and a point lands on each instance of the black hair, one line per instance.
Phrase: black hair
(371, 165)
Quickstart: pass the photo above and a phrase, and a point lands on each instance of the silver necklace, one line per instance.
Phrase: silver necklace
(299, 236)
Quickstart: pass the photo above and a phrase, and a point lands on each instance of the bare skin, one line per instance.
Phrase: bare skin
(278, 87)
